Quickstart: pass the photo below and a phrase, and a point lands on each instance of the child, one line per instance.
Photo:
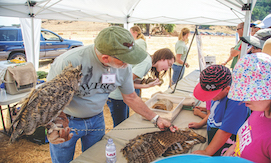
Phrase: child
(252, 84)
(226, 116)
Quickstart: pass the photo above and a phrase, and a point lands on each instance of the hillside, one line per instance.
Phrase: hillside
(93, 28)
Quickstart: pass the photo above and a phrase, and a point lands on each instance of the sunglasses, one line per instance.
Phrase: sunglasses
(116, 58)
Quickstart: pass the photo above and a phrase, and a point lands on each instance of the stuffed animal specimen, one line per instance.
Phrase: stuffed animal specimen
(163, 104)
(148, 147)
(149, 80)
(45, 103)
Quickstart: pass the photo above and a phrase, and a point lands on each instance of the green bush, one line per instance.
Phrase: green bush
(42, 74)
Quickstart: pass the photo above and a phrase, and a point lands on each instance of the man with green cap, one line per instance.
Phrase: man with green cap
(104, 68)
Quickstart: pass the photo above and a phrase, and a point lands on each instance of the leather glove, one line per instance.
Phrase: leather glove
(58, 130)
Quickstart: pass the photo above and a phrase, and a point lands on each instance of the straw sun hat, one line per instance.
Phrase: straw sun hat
(267, 47)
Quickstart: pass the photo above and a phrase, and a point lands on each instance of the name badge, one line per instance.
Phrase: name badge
(109, 78)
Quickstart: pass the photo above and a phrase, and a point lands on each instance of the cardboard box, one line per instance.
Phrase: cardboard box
(169, 115)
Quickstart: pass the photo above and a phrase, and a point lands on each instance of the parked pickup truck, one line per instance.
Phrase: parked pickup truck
(51, 44)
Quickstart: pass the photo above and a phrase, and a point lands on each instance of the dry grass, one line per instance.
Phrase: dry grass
(25, 151)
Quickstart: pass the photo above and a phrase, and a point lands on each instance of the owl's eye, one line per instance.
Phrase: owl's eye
(81, 74)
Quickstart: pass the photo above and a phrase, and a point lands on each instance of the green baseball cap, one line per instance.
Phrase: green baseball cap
(119, 42)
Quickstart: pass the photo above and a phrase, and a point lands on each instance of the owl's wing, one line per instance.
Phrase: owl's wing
(20, 118)
(26, 101)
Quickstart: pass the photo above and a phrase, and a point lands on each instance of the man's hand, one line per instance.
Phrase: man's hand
(163, 124)
(224, 63)
(60, 136)
(139, 106)
(59, 131)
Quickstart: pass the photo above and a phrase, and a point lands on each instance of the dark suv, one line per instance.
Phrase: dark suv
(51, 44)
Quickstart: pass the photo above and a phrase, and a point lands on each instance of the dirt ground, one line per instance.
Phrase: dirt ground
(28, 152)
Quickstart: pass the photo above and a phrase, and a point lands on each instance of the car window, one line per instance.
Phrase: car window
(49, 36)
(8, 35)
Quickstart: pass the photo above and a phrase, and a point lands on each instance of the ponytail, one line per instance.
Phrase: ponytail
(139, 32)
(141, 36)
(184, 32)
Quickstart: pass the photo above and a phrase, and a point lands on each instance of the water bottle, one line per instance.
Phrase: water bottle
(3, 94)
(110, 152)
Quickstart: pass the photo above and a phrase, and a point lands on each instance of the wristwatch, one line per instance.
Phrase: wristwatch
(154, 120)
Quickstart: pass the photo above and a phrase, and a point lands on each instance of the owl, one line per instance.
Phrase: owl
(147, 147)
(45, 103)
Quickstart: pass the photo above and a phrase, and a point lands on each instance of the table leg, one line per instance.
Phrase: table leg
(3, 119)
(10, 114)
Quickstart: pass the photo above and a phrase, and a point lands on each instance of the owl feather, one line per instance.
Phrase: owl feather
(46, 102)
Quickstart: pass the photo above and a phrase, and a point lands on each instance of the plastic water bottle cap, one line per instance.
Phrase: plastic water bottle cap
(110, 141)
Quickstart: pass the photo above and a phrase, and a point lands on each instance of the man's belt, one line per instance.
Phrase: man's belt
(72, 117)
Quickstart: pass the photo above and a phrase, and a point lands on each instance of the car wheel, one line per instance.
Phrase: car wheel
(19, 56)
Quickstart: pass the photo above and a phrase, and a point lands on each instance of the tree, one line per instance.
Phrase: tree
(168, 27)
(261, 10)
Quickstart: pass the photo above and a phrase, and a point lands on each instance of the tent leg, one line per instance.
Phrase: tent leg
(33, 42)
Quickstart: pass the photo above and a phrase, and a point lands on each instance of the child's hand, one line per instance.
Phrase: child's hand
(194, 125)
(196, 111)
(230, 151)
(201, 152)
(201, 108)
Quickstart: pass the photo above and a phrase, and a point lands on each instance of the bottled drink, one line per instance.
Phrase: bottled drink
(110, 152)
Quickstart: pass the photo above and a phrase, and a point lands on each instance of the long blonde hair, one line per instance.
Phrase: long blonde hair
(184, 31)
(139, 32)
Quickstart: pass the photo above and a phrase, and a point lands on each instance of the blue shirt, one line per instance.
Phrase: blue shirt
(228, 119)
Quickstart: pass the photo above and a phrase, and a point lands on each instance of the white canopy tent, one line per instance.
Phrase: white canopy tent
(197, 12)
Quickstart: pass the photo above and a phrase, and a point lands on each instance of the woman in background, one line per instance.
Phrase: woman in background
(181, 52)
(139, 37)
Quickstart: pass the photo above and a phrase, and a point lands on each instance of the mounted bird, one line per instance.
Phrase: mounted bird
(46, 102)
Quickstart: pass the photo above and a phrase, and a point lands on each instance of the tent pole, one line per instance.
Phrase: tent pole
(247, 7)
(185, 59)
(32, 39)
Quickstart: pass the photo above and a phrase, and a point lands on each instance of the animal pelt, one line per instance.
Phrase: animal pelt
(46, 102)
(148, 147)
